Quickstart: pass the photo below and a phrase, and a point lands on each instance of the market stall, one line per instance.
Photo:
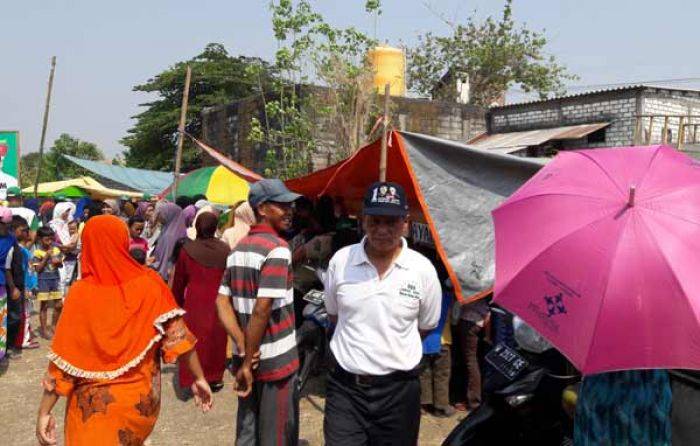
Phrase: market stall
(452, 189)
(78, 188)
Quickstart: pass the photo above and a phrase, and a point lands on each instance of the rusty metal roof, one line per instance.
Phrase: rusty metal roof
(514, 141)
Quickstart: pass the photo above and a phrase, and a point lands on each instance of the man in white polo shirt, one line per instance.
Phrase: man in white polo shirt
(383, 297)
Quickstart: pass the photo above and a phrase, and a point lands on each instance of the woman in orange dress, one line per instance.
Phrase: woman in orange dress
(118, 321)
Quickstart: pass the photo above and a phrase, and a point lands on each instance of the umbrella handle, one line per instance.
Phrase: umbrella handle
(633, 192)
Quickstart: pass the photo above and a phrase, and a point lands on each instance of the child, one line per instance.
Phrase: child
(16, 264)
(47, 259)
(70, 260)
(136, 225)
(22, 231)
(435, 373)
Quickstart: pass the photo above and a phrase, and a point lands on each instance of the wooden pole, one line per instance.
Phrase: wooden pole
(43, 127)
(383, 156)
(664, 132)
(695, 133)
(637, 131)
(181, 130)
(680, 133)
(651, 129)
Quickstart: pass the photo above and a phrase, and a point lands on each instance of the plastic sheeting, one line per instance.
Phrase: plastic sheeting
(461, 186)
(142, 180)
(450, 186)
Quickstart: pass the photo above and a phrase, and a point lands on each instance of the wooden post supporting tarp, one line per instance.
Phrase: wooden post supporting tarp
(44, 125)
(385, 132)
(181, 130)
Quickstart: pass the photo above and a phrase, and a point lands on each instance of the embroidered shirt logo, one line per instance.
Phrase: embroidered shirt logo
(410, 290)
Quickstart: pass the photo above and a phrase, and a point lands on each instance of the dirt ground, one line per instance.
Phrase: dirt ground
(179, 423)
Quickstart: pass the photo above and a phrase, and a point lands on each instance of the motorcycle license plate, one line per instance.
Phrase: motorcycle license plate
(506, 361)
(315, 297)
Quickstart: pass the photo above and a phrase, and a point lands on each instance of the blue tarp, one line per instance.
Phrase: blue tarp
(142, 180)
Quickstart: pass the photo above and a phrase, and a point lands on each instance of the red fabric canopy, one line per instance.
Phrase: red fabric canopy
(349, 179)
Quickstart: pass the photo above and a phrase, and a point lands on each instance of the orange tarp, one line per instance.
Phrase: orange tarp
(349, 179)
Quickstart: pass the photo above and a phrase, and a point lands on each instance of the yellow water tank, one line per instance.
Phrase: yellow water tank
(389, 65)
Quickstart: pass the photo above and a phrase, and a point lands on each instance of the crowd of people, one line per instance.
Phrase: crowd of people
(209, 287)
(129, 283)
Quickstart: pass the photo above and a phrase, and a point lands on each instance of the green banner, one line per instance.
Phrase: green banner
(9, 161)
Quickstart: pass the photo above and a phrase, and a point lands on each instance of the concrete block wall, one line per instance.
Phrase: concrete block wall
(619, 109)
(227, 127)
(665, 102)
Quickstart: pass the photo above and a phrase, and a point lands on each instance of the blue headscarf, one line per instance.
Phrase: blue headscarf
(80, 207)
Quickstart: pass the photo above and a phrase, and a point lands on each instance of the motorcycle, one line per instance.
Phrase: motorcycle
(312, 339)
(525, 394)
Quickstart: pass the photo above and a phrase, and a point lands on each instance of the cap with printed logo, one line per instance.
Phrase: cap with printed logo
(386, 198)
(270, 190)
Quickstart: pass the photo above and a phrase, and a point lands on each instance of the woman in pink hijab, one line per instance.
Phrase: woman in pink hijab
(244, 218)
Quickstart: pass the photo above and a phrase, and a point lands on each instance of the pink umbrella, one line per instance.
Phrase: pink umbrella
(600, 253)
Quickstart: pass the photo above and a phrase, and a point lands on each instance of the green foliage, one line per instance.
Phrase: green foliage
(55, 166)
(217, 78)
(312, 50)
(27, 169)
(493, 55)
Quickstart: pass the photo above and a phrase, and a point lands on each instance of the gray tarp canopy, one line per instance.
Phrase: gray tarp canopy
(459, 186)
(142, 180)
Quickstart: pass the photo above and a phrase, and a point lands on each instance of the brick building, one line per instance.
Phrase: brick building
(227, 127)
(631, 115)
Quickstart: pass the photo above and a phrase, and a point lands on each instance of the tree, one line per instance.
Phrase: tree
(217, 78)
(55, 166)
(492, 55)
(312, 50)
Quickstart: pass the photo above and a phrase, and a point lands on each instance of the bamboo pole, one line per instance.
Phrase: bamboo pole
(383, 155)
(181, 130)
(680, 132)
(651, 130)
(664, 132)
(44, 125)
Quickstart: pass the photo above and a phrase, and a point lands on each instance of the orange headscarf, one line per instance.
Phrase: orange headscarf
(115, 313)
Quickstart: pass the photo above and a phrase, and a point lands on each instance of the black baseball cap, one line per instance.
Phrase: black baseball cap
(386, 198)
(270, 190)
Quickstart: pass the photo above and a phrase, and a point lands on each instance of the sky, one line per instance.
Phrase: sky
(105, 48)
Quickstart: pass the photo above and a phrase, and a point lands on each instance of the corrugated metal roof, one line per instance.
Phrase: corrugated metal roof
(593, 92)
(142, 180)
(514, 141)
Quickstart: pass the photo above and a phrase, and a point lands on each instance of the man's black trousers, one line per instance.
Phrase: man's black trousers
(386, 412)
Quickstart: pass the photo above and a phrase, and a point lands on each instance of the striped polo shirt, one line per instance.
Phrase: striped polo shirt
(261, 266)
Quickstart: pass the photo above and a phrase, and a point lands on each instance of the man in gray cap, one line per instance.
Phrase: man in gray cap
(256, 298)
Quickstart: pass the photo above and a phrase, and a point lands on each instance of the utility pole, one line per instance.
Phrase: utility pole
(181, 130)
(383, 155)
(43, 128)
